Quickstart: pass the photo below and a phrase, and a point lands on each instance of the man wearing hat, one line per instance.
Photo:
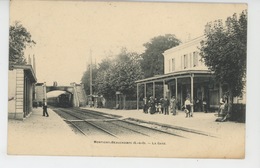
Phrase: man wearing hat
(44, 107)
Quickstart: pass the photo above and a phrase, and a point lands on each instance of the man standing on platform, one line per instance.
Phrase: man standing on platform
(44, 107)
(166, 106)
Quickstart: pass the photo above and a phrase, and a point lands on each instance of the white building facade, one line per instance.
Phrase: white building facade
(184, 57)
(196, 82)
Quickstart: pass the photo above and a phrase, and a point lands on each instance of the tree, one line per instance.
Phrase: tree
(119, 74)
(19, 39)
(153, 60)
(125, 72)
(102, 80)
(224, 52)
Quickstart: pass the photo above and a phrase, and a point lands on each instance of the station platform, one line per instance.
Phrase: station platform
(39, 135)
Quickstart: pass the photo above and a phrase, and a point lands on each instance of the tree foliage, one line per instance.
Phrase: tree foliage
(126, 71)
(224, 51)
(19, 39)
(153, 60)
(103, 83)
(117, 74)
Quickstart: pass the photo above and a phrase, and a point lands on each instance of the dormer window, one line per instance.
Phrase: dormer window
(169, 65)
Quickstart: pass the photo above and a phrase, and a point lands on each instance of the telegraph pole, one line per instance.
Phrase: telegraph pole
(90, 76)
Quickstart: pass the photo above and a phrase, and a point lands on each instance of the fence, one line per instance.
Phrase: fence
(129, 104)
(238, 112)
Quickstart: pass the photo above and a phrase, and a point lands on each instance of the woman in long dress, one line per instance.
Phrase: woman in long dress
(173, 105)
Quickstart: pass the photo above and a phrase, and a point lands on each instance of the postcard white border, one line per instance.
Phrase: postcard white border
(252, 123)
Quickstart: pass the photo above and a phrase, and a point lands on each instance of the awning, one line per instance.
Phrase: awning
(178, 74)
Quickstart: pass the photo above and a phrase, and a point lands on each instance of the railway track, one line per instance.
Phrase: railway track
(97, 124)
(114, 126)
(145, 123)
(86, 128)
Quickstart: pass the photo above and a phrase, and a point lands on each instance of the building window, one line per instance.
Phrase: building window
(173, 64)
(195, 59)
(169, 65)
(185, 61)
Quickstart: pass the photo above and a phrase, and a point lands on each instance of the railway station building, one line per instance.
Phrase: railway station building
(185, 75)
(21, 82)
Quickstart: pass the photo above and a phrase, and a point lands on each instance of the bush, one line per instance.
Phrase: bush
(238, 113)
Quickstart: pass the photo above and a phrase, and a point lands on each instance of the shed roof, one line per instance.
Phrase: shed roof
(26, 68)
(177, 74)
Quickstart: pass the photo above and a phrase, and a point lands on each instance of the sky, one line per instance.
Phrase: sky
(68, 32)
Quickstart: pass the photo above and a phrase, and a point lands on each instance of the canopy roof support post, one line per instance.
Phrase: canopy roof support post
(191, 90)
(176, 88)
(137, 97)
(153, 89)
(164, 91)
(145, 90)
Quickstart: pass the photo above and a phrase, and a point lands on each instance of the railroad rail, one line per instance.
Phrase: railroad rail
(82, 119)
(116, 126)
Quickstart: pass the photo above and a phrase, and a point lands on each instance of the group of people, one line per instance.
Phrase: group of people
(166, 106)
(161, 106)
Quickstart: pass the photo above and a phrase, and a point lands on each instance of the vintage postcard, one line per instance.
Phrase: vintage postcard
(127, 79)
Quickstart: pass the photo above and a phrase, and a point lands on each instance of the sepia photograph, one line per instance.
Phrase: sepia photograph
(127, 79)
